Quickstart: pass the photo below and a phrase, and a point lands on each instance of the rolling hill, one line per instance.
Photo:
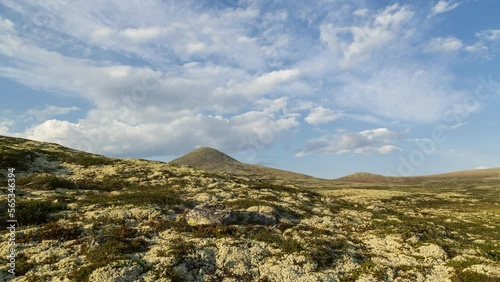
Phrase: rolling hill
(214, 161)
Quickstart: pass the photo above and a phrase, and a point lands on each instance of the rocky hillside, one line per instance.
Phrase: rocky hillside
(86, 217)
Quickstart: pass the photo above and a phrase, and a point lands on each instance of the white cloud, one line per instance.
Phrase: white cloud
(489, 35)
(195, 47)
(5, 125)
(403, 94)
(49, 111)
(101, 33)
(443, 6)
(141, 34)
(169, 73)
(104, 131)
(56, 131)
(108, 35)
(443, 44)
(361, 12)
(118, 71)
(267, 82)
(386, 149)
(355, 44)
(458, 125)
(482, 167)
(478, 48)
(321, 115)
(6, 24)
(168, 109)
(374, 141)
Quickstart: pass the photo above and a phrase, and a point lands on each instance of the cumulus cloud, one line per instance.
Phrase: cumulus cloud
(374, 141)
(446, 44)
(443, 6)
(321, 115)
(103, 133)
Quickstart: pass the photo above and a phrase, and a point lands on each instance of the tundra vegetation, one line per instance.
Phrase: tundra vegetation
(85, 217)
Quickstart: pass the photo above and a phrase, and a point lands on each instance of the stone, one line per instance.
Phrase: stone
(265, 215)
(210, 214)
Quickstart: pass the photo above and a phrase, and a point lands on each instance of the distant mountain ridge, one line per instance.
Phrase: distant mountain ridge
(364, 177)
(215, 161)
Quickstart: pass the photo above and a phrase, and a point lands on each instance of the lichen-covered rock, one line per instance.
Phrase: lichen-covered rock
(210, 214)
(205, 197)
(432, 253)
(261, 215)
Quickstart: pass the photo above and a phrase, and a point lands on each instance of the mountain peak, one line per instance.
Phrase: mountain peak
(206, 158)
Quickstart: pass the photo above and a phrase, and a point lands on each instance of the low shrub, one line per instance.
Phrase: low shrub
(264, 234)
(139, 195)
(326, 252)
(46, 182)
(56, 231)
(22, 265)
(36, 211)
(20, 159)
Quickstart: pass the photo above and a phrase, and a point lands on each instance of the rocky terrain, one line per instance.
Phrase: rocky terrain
(85, 217)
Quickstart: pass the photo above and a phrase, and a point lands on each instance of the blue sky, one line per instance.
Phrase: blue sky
(325, 88)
